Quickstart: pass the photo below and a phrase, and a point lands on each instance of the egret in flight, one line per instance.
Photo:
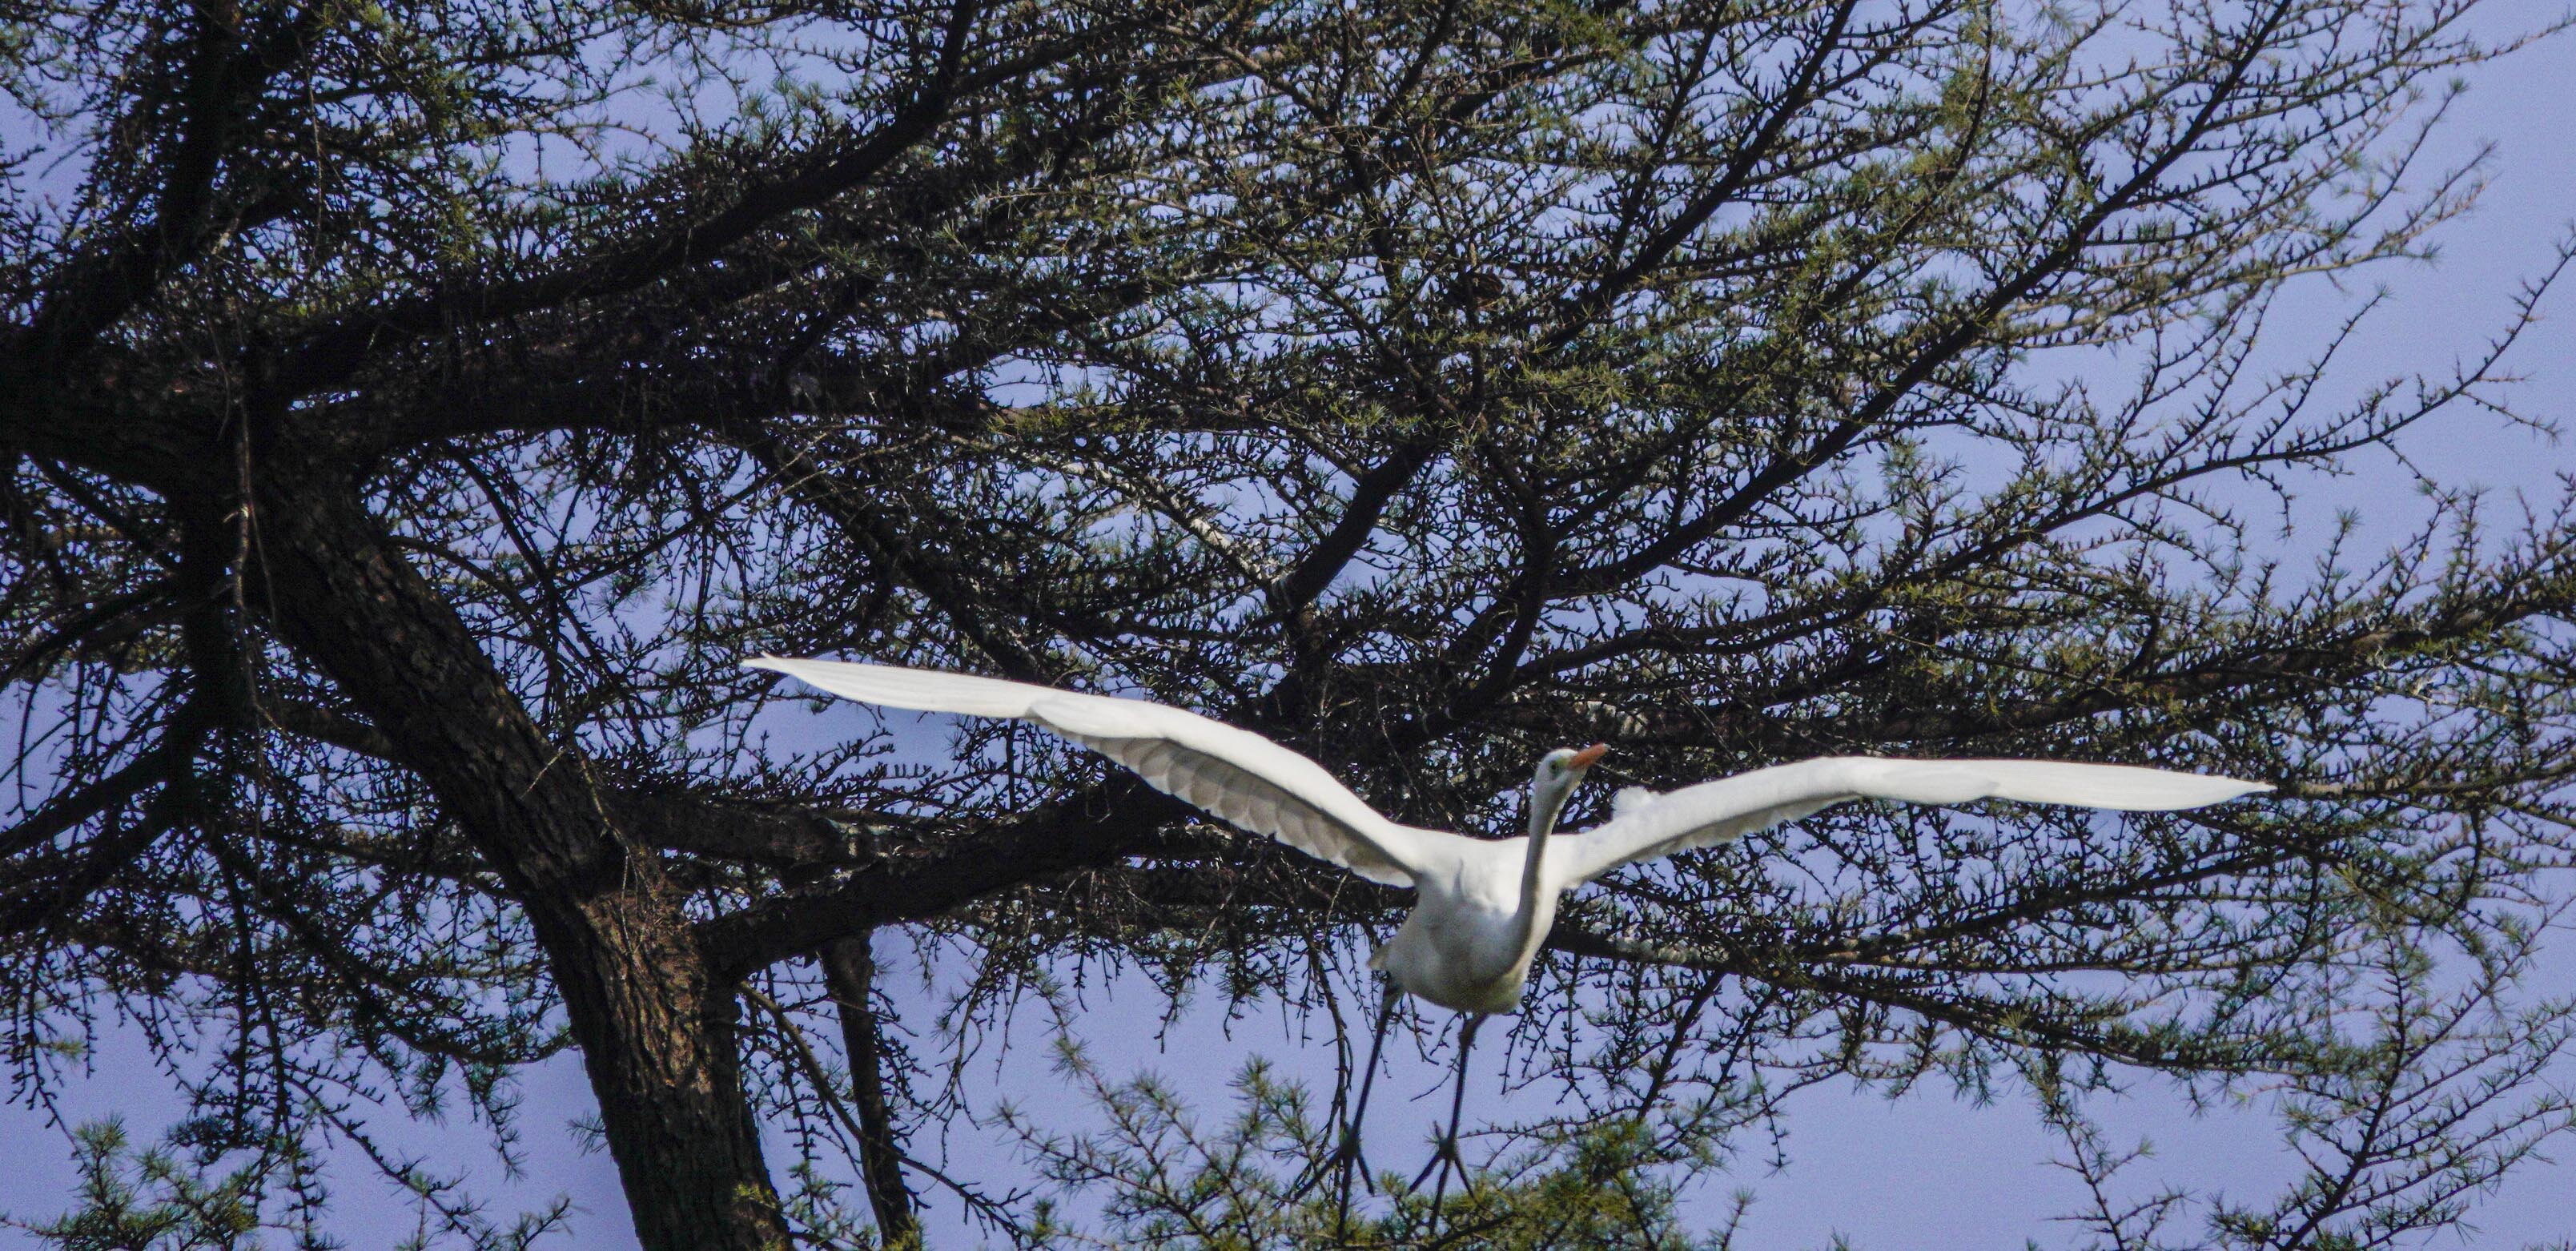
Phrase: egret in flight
(1482, 907)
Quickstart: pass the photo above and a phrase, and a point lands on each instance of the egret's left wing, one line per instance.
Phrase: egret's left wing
(1238, 775)
(1646, 825)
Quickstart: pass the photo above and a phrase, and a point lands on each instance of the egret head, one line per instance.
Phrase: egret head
(1557, 774)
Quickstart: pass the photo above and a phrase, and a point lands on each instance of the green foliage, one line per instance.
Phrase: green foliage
(2438, 1088)
(148, 1200)
(1163, 1179)
(415, 411)
(180, 1196)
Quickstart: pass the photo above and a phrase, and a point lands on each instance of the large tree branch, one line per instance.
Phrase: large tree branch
(2292, 670)
(1094, 827)
(849, 974)
(1759, 146)
(1315, 570)
(221, 79)
(776, 834)
(213, 955)
(214, 688)
(2016, 1022)
(654, 1027)
(44, 889)
(66, 812)
(783, 835)
(1960, 330)
(334, 351)
(869, 526)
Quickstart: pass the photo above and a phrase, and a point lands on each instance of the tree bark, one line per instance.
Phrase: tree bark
(849, 972)
(656, 1029)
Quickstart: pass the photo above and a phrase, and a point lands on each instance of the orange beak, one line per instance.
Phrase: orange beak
(1591, 756)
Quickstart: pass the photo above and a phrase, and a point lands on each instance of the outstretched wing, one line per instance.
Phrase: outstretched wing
(1240, 777)
(1727, 809)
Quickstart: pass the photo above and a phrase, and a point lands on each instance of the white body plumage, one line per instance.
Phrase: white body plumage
(1467, 945)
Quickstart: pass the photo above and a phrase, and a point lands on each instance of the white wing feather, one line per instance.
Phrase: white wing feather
(1646, 825)
(1237, 775)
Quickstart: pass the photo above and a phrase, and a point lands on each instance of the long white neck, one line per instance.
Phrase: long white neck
(1536, 907)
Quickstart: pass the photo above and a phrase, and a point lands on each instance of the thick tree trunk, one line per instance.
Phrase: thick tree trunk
(657, 1034)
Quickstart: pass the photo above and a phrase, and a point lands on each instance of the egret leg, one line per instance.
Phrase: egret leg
(1446, 1158)
(1346, 1157)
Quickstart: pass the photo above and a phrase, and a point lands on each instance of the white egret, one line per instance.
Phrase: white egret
(1482, 907)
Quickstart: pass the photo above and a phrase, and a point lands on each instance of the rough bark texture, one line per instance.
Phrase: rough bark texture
(657, 1034)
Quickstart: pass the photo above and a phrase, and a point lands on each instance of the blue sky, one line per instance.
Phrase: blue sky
(1925, 1171)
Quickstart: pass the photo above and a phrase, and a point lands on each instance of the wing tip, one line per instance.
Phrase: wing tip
(2217, 790)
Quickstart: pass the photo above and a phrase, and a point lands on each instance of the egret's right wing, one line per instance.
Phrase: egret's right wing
(1646, 825)
(1237, 775)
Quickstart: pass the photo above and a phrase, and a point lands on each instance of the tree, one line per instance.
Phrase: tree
(416, 410)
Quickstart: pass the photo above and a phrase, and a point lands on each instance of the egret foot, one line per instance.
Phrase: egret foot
(1347, 1157)
(1446, 1157)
